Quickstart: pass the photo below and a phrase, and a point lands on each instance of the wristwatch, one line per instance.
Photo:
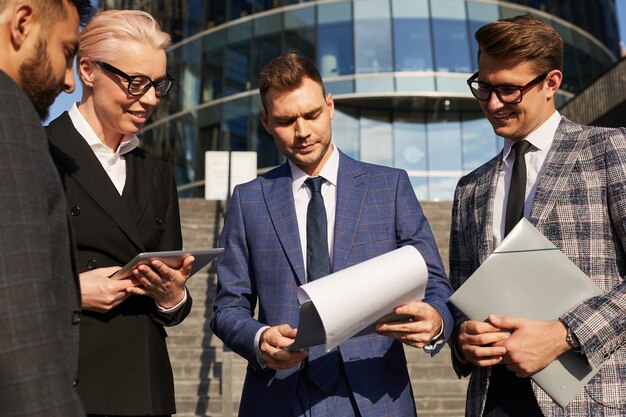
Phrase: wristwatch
(572, 340)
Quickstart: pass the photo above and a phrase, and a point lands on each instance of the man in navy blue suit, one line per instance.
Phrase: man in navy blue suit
(370, 210)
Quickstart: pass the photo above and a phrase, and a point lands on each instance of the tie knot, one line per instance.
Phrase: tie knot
(521, 148)
(315, 183)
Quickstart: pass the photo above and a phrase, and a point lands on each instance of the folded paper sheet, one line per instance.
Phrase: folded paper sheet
(346, 303)
(527, 276)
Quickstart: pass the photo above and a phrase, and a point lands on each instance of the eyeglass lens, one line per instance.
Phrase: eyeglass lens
(507, 94)
(140, 84)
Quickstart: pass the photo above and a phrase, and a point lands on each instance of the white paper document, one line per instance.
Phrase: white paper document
(350, 302)
(527, 276)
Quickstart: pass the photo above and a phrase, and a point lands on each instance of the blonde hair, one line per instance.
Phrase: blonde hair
(101, 38)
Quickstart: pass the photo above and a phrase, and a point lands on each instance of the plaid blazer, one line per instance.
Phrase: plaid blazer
(39, 298)
(580, 205)
(376, 212)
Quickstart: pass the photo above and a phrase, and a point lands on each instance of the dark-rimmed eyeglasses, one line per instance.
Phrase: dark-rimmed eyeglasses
(506, 93)
(138, 85)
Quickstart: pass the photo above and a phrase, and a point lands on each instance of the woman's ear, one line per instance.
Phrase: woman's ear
(86, 71)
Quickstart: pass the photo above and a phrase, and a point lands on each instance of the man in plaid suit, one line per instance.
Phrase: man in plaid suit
(374, 211)
(39, 297)
(575, 195)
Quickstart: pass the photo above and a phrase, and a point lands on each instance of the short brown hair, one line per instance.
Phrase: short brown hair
(286, 73)
(526, 37)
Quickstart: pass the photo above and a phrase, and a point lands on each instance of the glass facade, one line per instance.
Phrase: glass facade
(396, 68)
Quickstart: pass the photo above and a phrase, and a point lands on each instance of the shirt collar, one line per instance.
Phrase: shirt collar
(329, 171)
(85, 130)
(541, 138)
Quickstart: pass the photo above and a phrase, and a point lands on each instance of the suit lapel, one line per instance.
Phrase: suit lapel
(78, 161)
(352, 186)
(560, 160)
(278, 196)
(136, 194)
(484, 198)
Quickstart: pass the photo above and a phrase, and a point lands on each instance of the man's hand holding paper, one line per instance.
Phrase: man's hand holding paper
(273, 346)
(418, 331)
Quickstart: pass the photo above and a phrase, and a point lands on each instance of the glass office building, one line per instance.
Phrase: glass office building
(396, 69)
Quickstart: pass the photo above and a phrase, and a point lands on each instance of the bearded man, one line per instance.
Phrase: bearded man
(39, 298)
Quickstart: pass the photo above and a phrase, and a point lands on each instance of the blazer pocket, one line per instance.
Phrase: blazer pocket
(608, 386)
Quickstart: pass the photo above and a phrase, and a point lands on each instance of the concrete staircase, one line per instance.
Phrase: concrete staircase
(209, 378)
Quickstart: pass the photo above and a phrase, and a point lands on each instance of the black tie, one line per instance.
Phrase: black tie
(322, 368)
(517, 188)
(317, 259)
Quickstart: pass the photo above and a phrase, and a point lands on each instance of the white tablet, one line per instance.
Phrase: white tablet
(173, 259)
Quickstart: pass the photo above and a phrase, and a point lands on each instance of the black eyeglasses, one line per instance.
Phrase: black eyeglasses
(508, 94)
(138, 85)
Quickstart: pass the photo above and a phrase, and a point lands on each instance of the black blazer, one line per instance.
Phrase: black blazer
(123, 366)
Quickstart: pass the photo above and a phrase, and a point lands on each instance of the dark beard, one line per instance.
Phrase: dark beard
(37, 80)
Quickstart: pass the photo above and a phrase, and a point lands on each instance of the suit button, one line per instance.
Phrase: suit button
(75, 211)
(75, 383)
(92, 264)
(76, 317)
(158, 220)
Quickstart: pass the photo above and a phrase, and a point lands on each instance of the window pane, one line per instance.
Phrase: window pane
(409, 135)
(451, 43)
(334, 39)
(372, 29)
(346, 131)
(300, 32)
(376, 137)
(266, 44)
(235, 125)
(237, 58)
(212, 69)
(444, 146)
(480, 144)
(411, 35)
(479, 15)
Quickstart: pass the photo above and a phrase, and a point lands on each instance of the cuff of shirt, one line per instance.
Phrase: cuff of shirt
(436, 341)
(174, 309)
(458, 354)
(257, 348)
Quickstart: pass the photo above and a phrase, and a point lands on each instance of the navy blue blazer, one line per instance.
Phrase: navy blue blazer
(376, 212)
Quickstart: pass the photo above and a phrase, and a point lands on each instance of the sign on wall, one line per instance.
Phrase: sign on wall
(218, 165)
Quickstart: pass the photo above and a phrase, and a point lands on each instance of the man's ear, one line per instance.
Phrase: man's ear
(263, 117)
(22, 25)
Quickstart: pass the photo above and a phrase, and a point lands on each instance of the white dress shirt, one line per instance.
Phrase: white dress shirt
(541, 141)
(113, 162)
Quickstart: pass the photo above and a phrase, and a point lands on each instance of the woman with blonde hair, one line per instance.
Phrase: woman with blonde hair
(121, 201)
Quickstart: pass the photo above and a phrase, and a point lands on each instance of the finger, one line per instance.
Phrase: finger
(109, 270)
(484, 339)
(187, 264)
(472, 327)
(510, 323)
(282, 359)
(136, 291)
(278, 336)
(162, 270)
(147, 277)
